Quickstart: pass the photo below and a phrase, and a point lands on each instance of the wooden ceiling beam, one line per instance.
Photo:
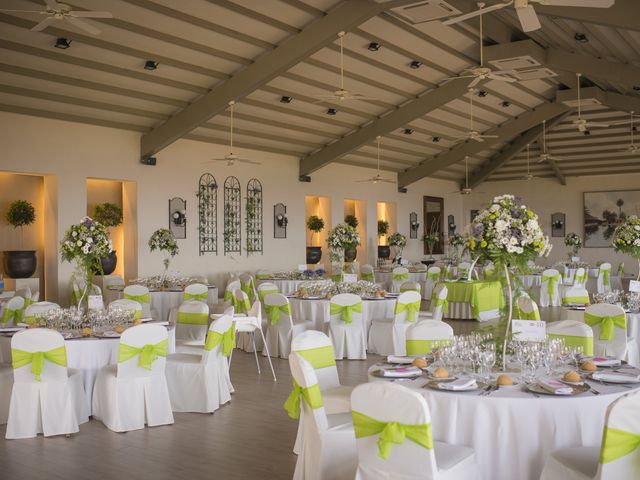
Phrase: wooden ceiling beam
(623, 14)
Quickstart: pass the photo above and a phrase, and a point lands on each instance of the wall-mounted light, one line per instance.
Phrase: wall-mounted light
(62, 43)
(415, 226)
(179, 217)
(581, 37)
(505, 104)
(282, 220)
(150, 65)
(451, 224)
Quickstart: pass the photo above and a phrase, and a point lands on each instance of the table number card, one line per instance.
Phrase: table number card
(529, 330)
(575, 259)
(95, 302)
(634, 286)
(302, 267)
(349, 277)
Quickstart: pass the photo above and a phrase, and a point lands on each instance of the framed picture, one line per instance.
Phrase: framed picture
(603, 212)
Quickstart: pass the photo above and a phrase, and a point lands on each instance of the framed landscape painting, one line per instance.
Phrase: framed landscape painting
(603, 212)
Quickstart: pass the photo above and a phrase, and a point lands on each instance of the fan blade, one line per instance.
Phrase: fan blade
(553, 157)
(576, 3)
(477, 139)
(81, 24)
(488, 136)
(244, 160)
(500, 78)
(52, 4)
(386, 180)
(75, 14)
(475, 82)
(366, 181)
(21, 11)
(528, 18)
(43, 24)
(475, 13)
(598, 124)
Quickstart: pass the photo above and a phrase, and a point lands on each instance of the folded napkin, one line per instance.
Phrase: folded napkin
(616, 377)
(401, 372)
(555, 387)
(603, 361)
(460, 384)
(399, 359)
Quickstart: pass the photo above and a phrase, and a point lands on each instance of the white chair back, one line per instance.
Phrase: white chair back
(404, 315)
(367, 273)
(305, 376)
(527, 308)
(379, 401)
(433, 277)
(580, 278)
(140, 294)
(39, 340)
(35, 296)
(139, 337)
(604, 278)
(616, 345)
(410, 287)
(243, 303)
(266, 288)
(549, 288)
(439, 302)
(13, 311)
(575, 295)
(344, 300)
(247, 284)
(24, 293)
(574, 333)
(192, 321)
(399, 275)
(38, 309)
(221, 326)
(422, 335)
(317, 349)
(196, 291)
(113, 281)
(127, 305)
(285, 321)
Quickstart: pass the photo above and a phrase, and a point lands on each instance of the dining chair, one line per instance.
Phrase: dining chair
(604, 278)
(439, 304)
(78, 287)
(410, 287)
(230, 292)
(6, 387)
(575, 295)
(196, 291)
(140, 294)
(280, 326)
(433, 277)
(47, 397)
(37, 309)
(574, 333)
(399, 275)
(411, 452)
(550, 288)
(387, 336)
(265, 288)
(609, 324)
(192, 323)
(580, 278)
(526, 308)
(346, 327)
(126, 305)
(367, 273)
(422, 336)
(12, 311)
(247, 285)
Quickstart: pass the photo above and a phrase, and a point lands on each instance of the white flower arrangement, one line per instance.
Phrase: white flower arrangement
(343, 236)
(626, 238)
(574, 242)
(397, 240)
(86, 243)
(164, 240)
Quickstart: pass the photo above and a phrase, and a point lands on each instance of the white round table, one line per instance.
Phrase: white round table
(512, 431)
(385, 278)
(287, 287)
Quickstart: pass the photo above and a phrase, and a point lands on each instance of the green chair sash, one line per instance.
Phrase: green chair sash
(20, 358)
(391, 433)
(336, 278)
(264, 293)
(532, 315)
(368, 276)
(617, 444)
(579, 279)
(228, 340)
(147, 354)
(12, 314)
(141, 299)
(248, 288)
(607, 324)
(410, 289)
(552, 281)
(201, 297)
(605, 276)
(312, 395)
(621, 269)
(421, 347)
(575, 341)
(441, 302)
(412, 310)
(230, 297)
(242, 306)
(193, 318)
(433, 276)
(575, 300)
(320, 357)
(345, 311)
(400, 276)
(273, 312)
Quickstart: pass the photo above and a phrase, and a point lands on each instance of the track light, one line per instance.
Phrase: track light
(581, 37)
(408, 131)
(285, 99)
(435, 139)
(415, 64)
(373, 47)
(505, 104)
(63, 43)
(482, 93)
(150, 65)
(332, 111)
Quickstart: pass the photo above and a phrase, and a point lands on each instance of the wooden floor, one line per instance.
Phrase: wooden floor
(250, 438)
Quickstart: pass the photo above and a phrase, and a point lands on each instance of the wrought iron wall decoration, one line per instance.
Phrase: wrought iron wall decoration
(178, 217)
(232, 207)
(208, 214)
(253, 211)
(414, 225)
(280, 220)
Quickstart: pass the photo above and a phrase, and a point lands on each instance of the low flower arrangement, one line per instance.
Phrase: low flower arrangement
(163, 240)
(343, 236)
(626, 238)
(327, 289)
(397, 240)
(172, 282)
(574, 242)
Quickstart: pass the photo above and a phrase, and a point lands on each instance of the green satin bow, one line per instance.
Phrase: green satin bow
(141, 299)
(148, 353)
(391, 433)
(551, 280)
(621, 269)
(201, 297)
(400, 276)
(248, 288)
(442, 302)
(412, 310)
(228, 340)
(575, 341)
(243, 306)
(422, 347)
(20, 358)
(617, 444)
(264, 293)
(345, 311)
(193, 318)
(433, 276)
(532, 315)
(369, 277)
(273, 312)
(230, 297)
(605, 276)
(607, 324)
(320, 357)
(12, 314)
(312, 395)
(579, 279)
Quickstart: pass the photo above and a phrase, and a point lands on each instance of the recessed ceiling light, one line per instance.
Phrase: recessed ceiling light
(150, 65)
(408, 131)
(285, 99)
(482, 93)
(373, 47)
(435, 139)
(63, 43)
(332, 111)
(505, 104)
(580, 37)
(636, 88)
(586, 133)
(415, 64)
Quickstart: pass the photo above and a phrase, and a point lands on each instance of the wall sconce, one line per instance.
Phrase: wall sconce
(414, 225)
(280, 221)
(558, 221)
(179, 217)
(451, 224)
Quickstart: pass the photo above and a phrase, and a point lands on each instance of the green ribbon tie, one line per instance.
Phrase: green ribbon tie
(579, 279)
(391, 433)
(312, 395)
(243, 306)
(193, 318)
(320, 357)
(12, 314)
(345, 311)
(621, 270)
(264, 293)
(575, 341)
(433, 276)
(201, 297)
(617, 444)
(248, 288)
(605, 277)
(141, 299)
(228, 340)
(551, 280)
(148, 353)
(532, 315)
(368, 277)
(575, 300)
(422, 347)
(442, 302)
(20, 358)
(412, 310)
(273, 312)
(400, 276)
(230, 297)
(607, 324)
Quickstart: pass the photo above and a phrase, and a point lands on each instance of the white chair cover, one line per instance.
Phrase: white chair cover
(422, 335)
(433, 277)
(230, 292)
(619, 346)
(126, 305)
(200, 383)
(580, 278)
(126, 395)
(192, 322)
(13, 311)
(33, 311)
(113, 281)
(280, 328)
(25, 293)
(196, 291)
(6, 386)
(35, 296)
(387, 337)
(54, 403)
(437, 307)
(242, 303)
(549, 288)
(367, 273)
(575, 295)
(408, 460)
(604, 278)
(399, 275)
(346, 327)
(573, 332)
(527, 308)
(140, 294)
(248, 286)
(328, 443)
(410, 287)
(265, 288)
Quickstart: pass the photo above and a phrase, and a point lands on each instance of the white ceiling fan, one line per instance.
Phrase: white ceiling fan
(481, 72)
(231, 158)
(55, 11)
(632, 148)
(529, 175)
(544, 155)
(341, 94)
(472, 134)
(583, 124)
(377, 178)
(527, 14)
(466, 190)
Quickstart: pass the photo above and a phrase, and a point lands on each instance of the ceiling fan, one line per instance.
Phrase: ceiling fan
(55, 11)
(583, 124)
(527, 14)
(466, 190)
(481, 72)
(377, 178)
(544, 155)
(341, 94)
(472, 134)
(632, 148)
(529, 175)
(231, 158)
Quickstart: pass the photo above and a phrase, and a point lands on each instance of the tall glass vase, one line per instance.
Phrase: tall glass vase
(164, 279)
(337, 262)
(509, 315)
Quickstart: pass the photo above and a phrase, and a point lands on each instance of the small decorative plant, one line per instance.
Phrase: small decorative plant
(351, 220)
(164, 241)
(20, 214)
(626, 238)
(383, 228)
(574, 242)
(108, 214)
(432, 237)
(315, 224)
(399, 241)
(343, 236)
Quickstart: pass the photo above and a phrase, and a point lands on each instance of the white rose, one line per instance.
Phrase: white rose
(89, 240)
(74, 233)
(79, 243)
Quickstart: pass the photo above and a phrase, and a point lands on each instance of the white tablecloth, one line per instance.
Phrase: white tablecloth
(512, 431)
(287, 287)
(385, 279)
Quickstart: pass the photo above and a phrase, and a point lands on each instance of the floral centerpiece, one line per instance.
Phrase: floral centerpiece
(574, 242)
(398, 241)
(341, 237)
(626, 239)
(164, 241)
(85, 244)
(456, 241)
(507, 234)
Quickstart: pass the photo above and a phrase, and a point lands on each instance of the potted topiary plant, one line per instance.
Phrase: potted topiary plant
(109, 215)
(384, 251)
(20, 263)
(351, 251)
(315, 224)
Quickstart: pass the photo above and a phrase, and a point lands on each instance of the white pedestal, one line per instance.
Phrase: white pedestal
(103, 281)
(15, 284)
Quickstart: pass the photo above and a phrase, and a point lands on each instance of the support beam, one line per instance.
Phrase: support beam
(504, 132)
(267, 67)
(402, 116)
(559, 175)
(616, 101)
(623, 14)
(492, 26)
(517, 146)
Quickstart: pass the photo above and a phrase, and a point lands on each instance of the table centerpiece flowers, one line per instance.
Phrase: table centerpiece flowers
(398, 241)
(163, 240)
(626, 239)
(574, 242)
(456, 241)
(509, 235)
(341, 237)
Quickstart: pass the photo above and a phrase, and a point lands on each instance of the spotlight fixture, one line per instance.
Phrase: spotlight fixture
(408, 131)
(415, 64)
(586, 133)
(150, 65)
(505, 104)
(482, 93)
(581, 37)
(635, 129)
(332, 111)
(285, 99)
(63, 43)
(435, 139)
(373, 47)
(636, 88)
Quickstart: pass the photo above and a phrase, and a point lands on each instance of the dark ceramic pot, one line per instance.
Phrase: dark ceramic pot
(384, 251)
(20, 263)
(314, 254)
(350, 254)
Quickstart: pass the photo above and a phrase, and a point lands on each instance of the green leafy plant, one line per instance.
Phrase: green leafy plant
(108, 214)
(351, 220)
(315, 224)
(20, 214)
(383, 228)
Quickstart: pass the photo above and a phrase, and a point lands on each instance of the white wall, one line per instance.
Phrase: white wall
(72, 152)
(547, 196)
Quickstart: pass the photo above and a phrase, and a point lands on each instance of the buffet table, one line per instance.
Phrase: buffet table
(317, 311)
(478, 300)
